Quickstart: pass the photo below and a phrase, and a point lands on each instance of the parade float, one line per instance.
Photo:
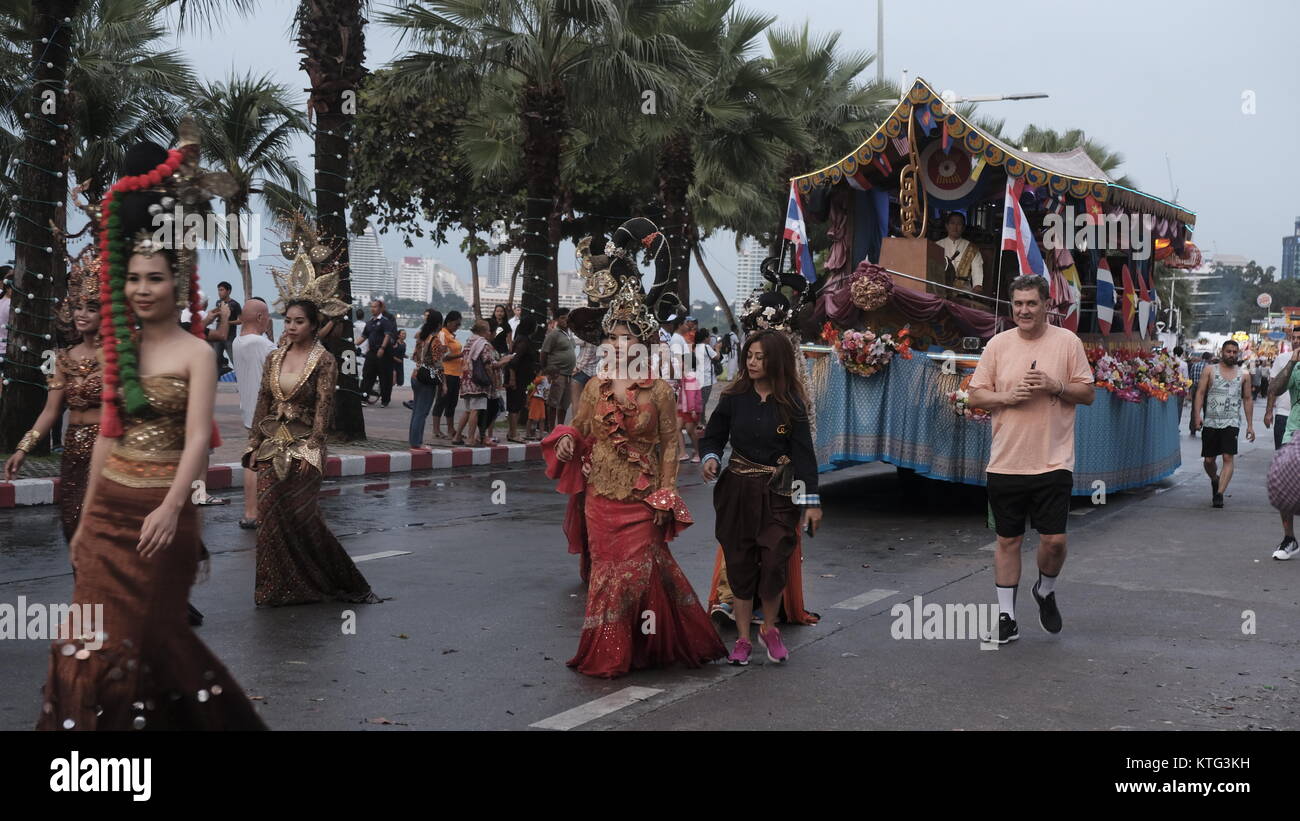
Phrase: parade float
(901, 308)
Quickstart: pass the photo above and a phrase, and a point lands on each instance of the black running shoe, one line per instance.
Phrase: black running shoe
(1218, 500)
(1048, 616)
(1007, 630)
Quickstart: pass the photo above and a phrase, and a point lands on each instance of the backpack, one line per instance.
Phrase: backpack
(1284, 478)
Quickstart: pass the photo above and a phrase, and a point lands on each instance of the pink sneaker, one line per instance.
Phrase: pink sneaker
(771, 642)
(740, 654)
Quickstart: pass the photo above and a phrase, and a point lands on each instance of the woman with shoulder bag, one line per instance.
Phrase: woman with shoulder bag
(427, 378)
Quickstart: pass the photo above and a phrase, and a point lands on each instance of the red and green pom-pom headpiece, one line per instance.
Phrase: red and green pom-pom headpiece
(117, 242)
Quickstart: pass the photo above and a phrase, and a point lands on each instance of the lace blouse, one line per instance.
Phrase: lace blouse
(635, 439)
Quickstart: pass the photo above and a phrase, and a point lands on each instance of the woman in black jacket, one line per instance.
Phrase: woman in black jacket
(771, 476)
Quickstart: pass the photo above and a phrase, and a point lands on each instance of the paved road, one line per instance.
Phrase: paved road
(486, 606)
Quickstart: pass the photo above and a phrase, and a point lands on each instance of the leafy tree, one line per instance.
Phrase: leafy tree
(554, 60)
(248, 125)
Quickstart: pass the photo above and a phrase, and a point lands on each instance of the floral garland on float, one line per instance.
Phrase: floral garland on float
(1132, 376)
(960, 401)
(865, 352)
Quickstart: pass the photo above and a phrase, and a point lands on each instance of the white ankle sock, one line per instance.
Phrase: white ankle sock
(1046, 584)
(1007, 600)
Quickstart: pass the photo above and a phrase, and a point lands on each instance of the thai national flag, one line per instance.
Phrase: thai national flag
(1016, 235)
(796, 232)
(1105, 297)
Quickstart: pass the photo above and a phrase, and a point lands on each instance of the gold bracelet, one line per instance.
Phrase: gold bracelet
(29, 441)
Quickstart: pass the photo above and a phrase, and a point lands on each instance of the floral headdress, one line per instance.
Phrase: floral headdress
(768, 308)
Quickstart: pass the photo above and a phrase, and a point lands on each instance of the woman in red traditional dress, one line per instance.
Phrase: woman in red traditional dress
(619, 460)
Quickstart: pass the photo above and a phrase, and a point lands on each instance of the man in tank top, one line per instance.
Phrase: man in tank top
(1223, 393)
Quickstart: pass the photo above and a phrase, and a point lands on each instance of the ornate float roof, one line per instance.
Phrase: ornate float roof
(1072, 172)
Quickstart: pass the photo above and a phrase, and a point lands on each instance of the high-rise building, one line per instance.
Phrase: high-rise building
(447, 281)
(1291, 254)
(372, 274)
(500, 267)
(415, 278)
(748, 274)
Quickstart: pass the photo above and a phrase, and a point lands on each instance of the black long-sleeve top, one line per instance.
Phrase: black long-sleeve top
(757, 433)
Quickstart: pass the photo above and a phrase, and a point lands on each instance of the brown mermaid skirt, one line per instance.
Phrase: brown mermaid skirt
(74, 471)
(149, 670)
(298, 559)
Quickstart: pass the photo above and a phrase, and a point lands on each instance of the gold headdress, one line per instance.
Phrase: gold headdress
(314, 275)
(600, 282)
(83, 284)
(613, 282)
(163, 225)
(628, 306)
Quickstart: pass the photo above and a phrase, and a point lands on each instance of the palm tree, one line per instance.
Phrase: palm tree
(39, 259)
(123, 88)
(248, 125)
(724, 128)
(1049, 140)
(561, 56)
(834, 108)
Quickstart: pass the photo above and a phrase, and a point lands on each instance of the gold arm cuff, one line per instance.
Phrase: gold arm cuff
(29, 441)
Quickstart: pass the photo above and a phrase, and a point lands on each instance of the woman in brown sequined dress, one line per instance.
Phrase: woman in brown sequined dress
(298, 559)
(138, 663)
(75, 386)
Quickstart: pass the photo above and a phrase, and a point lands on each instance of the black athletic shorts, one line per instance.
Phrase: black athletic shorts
(1042, 497)
(1218, 441)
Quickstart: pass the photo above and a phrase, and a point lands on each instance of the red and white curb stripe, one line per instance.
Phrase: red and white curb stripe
(24, 492)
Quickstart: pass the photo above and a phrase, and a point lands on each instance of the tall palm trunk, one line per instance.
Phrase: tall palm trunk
(473, 276)
(544, 125)
(331, 37)
(39, 259)
(676, 171)
(234, 210)
(708, 277)
(514, 275)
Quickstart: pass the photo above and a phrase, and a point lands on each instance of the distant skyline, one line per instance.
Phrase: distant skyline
(1160, 82)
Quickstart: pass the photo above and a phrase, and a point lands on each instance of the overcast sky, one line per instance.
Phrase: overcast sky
(1162, 82)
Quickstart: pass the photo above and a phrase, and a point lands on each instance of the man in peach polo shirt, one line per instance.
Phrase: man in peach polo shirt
(1031, 378)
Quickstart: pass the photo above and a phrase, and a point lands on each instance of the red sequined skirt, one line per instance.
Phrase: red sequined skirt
(641, 610)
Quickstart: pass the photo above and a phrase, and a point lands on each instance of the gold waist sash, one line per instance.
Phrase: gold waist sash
(779, 473)
(134, 467)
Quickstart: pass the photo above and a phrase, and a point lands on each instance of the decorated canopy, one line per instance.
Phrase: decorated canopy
(1070, 173)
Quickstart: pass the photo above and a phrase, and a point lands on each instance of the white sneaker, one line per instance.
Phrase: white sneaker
(1289, 549)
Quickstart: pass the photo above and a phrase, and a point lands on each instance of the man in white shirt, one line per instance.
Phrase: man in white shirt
(962, 261)
(679, 352)
(250, 351)
(513, 321)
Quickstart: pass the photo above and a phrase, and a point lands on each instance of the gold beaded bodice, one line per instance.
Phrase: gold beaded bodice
(292, 417)
(150, 447)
